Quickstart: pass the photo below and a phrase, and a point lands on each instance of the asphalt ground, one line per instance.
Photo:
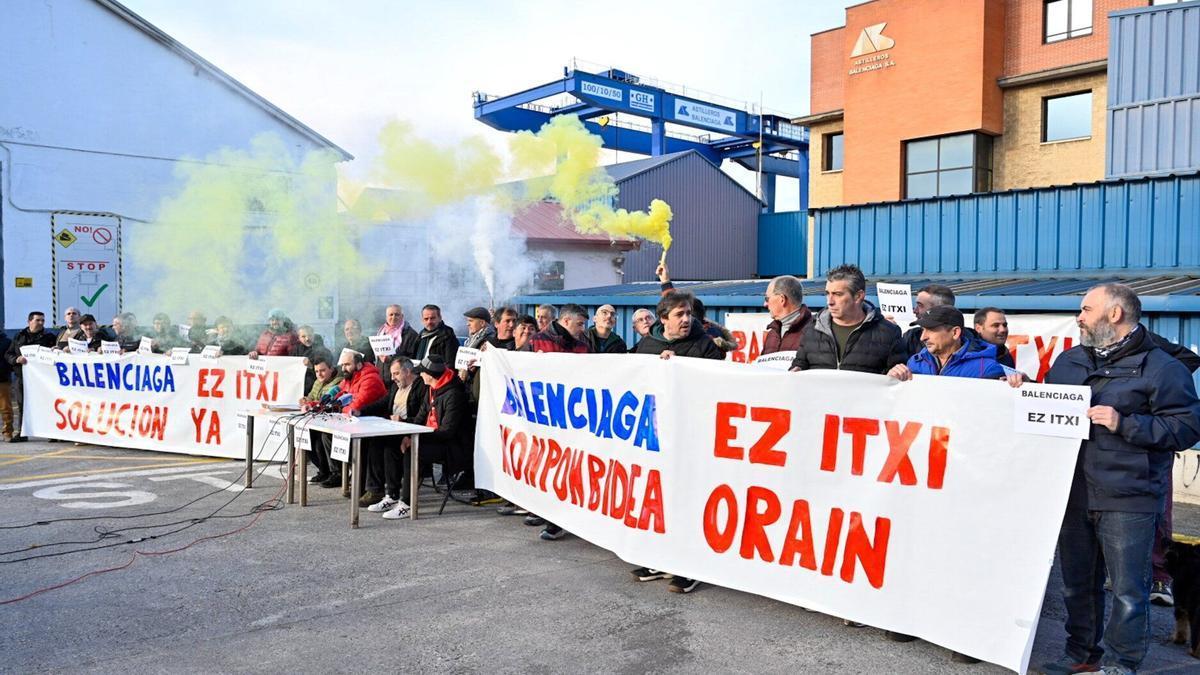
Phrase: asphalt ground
(299, 591)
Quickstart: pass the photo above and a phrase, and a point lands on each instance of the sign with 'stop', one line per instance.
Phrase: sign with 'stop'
(87, 264)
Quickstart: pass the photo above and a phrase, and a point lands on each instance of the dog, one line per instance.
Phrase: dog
(1183, 563)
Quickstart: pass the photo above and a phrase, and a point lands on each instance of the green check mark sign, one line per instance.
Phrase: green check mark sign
(92, 300)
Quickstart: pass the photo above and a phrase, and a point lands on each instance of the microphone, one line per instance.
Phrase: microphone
(329, 395)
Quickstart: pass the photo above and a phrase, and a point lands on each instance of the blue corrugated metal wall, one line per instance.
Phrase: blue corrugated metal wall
(783, 243)
(1154, 90)
(1110, 227)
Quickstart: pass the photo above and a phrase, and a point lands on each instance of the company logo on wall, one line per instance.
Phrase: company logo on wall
(870, 50)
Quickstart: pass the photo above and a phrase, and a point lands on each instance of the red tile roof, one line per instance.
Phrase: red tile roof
(542, 223)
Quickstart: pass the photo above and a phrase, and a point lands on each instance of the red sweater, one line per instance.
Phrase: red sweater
(365, 388)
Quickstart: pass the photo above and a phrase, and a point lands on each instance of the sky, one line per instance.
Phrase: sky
(346, 68)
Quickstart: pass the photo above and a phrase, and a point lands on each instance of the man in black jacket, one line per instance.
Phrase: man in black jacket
(447, 409)
(675, 333)
(850, 333)
(601, 337)
(1144, 408)
(34, 334)
(388, 457)
(437, 338)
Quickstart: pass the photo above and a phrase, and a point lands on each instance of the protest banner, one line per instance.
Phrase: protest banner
(145, 401)
(854, 495)
(749, 330)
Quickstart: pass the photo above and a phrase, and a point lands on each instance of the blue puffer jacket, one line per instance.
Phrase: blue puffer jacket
(974, 359)
(1154, 393)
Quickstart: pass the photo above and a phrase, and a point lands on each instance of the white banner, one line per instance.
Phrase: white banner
(145, 401)
(855, 495)
(1034, 340)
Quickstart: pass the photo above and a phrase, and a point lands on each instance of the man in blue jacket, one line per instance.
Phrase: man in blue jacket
(949, 350)
(1144, 408)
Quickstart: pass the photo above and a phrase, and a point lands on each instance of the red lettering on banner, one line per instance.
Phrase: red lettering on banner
(213, 391)
(900, 441)
(748, 347)
(616, 490)
(797, 548)
(779, 422)
(107, 417)
(872, 557)
(1015, 341)
(214, 425)
(1045, 352)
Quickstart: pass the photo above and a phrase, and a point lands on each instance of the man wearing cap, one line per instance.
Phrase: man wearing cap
(436, 337)
(948, 350)
(479, 333)
(404, 338)
(445, 409)
(601, 337)
(278, 338)
(90, 331)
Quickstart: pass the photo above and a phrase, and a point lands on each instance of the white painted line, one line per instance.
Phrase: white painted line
(116, 474)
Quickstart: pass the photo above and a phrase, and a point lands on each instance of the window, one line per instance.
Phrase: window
(831, 152)
(1065, 19)
(950, 165)
(1067, 117)
(1163, 2)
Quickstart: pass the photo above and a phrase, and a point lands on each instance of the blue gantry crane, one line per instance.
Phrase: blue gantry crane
(740, 135)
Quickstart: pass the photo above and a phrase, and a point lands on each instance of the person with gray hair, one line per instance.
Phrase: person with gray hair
(790, 317)
(545, 315)
(1143, 410)
(643, 320)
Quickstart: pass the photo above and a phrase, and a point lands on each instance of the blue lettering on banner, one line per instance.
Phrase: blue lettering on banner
(706, 115)
(603, 414)
(603, 91)
(641, 100)
(124, 376)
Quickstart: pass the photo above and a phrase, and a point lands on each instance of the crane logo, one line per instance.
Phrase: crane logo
(872, 40)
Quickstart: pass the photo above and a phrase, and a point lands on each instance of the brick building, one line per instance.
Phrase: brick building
(924, 98)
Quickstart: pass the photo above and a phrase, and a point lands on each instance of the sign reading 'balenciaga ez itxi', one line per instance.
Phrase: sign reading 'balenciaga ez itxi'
(872, 50)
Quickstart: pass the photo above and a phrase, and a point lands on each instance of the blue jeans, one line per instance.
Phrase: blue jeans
(1088, 541)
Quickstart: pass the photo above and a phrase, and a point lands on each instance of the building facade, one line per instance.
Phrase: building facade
(925, 98)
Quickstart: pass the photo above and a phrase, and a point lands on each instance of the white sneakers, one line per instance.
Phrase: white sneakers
(399, 510)
(385, 504)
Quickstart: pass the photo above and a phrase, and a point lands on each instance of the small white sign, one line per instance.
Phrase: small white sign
(705, 115)
(341, 447)
(1052, 410)
(466, 358)
(45, 355)
(146, 346)
(896, 300)
(179, 356)
(382, 345)
(775, 361)
(256, 366)
(303, 440)
(602, 90)
(107, 347)
(211, 352)
(77, 346)
(184, 329)
(642, 100)
(243, 417)
(29, 351)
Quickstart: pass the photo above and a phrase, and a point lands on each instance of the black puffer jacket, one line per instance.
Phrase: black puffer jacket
(697, 344)
(873, 347)
(1128, 470)
(441, 341)
(454, 434)
(23, 338)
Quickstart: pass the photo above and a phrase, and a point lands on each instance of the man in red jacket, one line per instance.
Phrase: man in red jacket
(784, 299)
(361, 386)
(278, 338)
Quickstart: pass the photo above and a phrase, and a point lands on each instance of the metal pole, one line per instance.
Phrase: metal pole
(291, 460)
(249, 450)
(356, 456)
(304, 472)
(414, 475)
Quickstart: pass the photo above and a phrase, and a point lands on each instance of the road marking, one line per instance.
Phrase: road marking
(206, 477)
(128, 472)
(73, 500)
(29, 458)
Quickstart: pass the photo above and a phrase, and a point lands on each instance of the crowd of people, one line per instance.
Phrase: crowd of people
(1118, 518)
